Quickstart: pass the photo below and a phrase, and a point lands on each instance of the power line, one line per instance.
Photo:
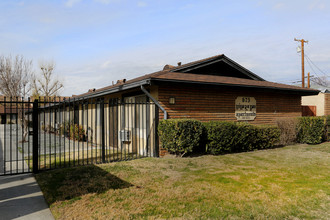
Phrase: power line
(312, 68)
(320, 84)
(318, 80)
(294, 80)
(315, 65)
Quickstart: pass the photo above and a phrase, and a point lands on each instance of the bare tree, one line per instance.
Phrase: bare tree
(15, 83)
(15, 76)
(321, 81)
(47, 84)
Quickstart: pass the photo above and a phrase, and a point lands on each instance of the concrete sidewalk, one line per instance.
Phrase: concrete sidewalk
(21, 198)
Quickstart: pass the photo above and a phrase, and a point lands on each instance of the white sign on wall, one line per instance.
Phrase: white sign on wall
(245, 108)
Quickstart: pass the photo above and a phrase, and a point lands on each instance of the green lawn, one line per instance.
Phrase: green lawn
(69, 159)
(284, 183)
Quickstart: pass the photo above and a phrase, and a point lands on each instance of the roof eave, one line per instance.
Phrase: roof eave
(119, 88)
(115, 89)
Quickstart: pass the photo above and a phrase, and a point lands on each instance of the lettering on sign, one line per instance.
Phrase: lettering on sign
(245, 108)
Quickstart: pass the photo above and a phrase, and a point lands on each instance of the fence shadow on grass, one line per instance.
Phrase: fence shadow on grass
(72, 183)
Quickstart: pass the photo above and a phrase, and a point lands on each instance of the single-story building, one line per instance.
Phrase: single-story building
(208, 89)
(10, 108)
(215, 88)
(8, 115)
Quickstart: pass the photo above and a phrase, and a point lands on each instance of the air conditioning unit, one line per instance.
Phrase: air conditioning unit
(125, 135)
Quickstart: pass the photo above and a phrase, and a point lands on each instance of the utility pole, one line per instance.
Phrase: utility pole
(308, 80)
(302, 61)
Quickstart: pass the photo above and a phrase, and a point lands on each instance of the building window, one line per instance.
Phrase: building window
(171, 100)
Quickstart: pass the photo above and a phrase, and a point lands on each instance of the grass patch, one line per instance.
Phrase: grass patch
(283, 183)
(74, 158)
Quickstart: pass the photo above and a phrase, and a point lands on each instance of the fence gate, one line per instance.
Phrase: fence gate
(43, 135)
(15, 136)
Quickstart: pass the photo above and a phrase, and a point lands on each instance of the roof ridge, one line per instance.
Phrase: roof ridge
(196, 61)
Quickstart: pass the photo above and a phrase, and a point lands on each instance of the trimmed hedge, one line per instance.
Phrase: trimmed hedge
(180, 136)
(219, 136)
(311, 130)
(267, 136)
(227, 137)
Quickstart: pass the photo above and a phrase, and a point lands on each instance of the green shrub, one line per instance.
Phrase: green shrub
(311, 130)
(267, 136)
(220, 136)
(77, 132)
(185, 136)
(181, 136)
(226, 137)
(65, 128)
(245, 138)
(73, 131)
(327, 128)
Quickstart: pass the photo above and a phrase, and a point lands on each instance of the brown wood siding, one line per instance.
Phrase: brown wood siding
(308, 110)
(210, 103)
(326, 104)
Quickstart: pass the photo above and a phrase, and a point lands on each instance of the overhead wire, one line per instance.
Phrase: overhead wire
(314, 80)
(312, 67)
(317, 80)
(315, 65)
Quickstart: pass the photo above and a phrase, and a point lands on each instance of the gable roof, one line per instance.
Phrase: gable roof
(228, 67)
(180, 74)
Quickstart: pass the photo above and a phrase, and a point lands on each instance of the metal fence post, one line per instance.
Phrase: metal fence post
(35, 121)
(148, 128)
(102, 130)
(156, 154)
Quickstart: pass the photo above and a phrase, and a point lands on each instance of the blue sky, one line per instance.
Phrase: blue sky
(95, 42)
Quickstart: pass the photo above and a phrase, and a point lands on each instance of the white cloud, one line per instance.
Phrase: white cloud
(317, 4)
(106, 2)
(106, 64)
(70, 3)
(141, 4)
(279, 5)
(21, 3)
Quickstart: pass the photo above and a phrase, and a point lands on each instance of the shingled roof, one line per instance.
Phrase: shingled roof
(179, 74)
(229, 81)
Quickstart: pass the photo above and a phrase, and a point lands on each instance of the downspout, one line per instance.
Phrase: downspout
(155, 101)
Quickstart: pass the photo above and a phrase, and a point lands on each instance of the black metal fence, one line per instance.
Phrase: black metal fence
(62, 133)
(15, 140)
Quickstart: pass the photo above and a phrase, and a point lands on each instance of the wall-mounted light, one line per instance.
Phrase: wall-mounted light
(171, 100)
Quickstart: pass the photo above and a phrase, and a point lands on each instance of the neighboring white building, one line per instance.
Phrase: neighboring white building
(321, 102)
